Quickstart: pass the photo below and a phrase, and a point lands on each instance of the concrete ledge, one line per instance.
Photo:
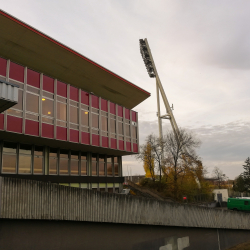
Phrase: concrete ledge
(29, 199)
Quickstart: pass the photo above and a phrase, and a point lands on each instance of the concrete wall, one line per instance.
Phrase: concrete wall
(224, 193)
(26, 199)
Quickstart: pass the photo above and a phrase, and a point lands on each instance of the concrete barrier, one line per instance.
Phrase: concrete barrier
(28, 199)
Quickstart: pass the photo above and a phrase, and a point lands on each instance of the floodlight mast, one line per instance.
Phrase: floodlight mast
(151, 68)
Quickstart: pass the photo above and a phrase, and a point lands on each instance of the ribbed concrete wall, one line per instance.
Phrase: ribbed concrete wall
(26, 199)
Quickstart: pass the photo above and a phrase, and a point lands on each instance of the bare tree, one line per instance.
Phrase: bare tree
(180, 153)
(218, 174)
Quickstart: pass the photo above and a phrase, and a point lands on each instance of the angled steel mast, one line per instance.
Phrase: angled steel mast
(151, 68)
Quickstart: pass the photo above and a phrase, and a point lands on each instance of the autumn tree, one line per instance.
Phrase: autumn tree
(239, 184)
(219, 176)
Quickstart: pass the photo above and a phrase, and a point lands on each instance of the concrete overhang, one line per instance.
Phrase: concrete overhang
(8, 95)
(25, 45)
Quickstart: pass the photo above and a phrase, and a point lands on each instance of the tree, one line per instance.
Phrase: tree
(218, 174)
(180, 155)
(239, 184)
(246, 173)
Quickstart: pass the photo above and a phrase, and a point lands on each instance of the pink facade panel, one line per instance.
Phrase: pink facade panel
(95, 101)
(16, 72)
(33, 78)
(113, 143)
(134, 116)
(48, 84)
(128, 146)
(127, 114)
(104, 106)
(112, 108)
(74, 94)
(95, 140)
(1, 121)
(32, 127)
(84, 98)
(74, 135)
(3, 65)
(135, 148)
(120, 111)
(85, 138)
(121, 145)
(61, 133)
(47, 130)
(105, 141)
(61, 89)
(14, 124)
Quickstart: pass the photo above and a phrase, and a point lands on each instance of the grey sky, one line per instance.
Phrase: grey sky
(201, 50)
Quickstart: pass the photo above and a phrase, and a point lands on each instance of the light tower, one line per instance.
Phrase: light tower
(151, 68)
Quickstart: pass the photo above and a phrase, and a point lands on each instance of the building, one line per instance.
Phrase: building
(72, 120)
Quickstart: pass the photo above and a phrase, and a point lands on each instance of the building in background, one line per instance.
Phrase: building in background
(72, 121)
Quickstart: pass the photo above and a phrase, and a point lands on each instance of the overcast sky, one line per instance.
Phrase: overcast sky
(202, 54)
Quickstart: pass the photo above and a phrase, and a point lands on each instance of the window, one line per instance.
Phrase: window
(94, 165)
(83, 165)
(32, 103)
(64, 163)
(61, 112)
(38, 160)
(17, 110)
(120, 128)
(112, 126)
(134, 132)
(95, 121)
(84, 115)
(24, 166)
(74, 163)
(53, 159)
(47, 107)
(109, 166)
(74, 116)
(116, 168)
(101, 165)
(246, 203)
(9, 158)
(127, 130)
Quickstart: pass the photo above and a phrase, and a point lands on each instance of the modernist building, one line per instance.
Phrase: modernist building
(71, 122)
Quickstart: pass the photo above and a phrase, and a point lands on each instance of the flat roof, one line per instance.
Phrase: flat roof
(25, 45)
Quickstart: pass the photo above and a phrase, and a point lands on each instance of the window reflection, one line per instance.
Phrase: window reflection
(53, 162)
(120, 128)
(47, 107)
(9, 158)
(32, 103)
(94, 166)
(134, 132)
(101, 166)
(24, 166)
(95, 120)
(83, 165)
(109, 166)
(74, 114)
(116, 168)
(64, 164)
(127, 130)
(38, 160)
(74, 164)
(85, 118)
(61, 111)
(104, 123)
(112, 126)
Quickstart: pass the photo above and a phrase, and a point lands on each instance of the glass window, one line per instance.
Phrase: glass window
(64, 164)
(85, 118)
(94, 165)
(76, 185)
(9, 158)
(134, 132)
(104, 123)
(32, 103)
(95, 120)
(109, 166)
(19, 105)
(61, 111)
(120, 128)
(38, 160)
(47, 120)
(101, 166)
(24, 166)
(15, 112)
(84, 185)
(74, 164)
(112, 126)
(102, 187)
(47, 107)
(94, 185)
(83, 165)
(53, 162)
(74, 114)
(127, 130)
(32, 117)
(116, 166)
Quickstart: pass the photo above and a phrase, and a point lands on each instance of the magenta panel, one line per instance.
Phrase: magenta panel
(105, 141)
(48, 84)
(120, 111)
(121, 145)
(47, 130)
(62, 89)
(1, 121)
(104, 105)
(95, 140)
(74, 94)
(112, 108)
(74, 135)
(32, 127)
(128, 146)
(113, 143)
(16, 72)
(14, 124)
(134, 116)
(135, 147)
(3, 65)
(33, 78)
(127, 114)
(95, 101)
(84, 97)
(61, 133)
(85, 138)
